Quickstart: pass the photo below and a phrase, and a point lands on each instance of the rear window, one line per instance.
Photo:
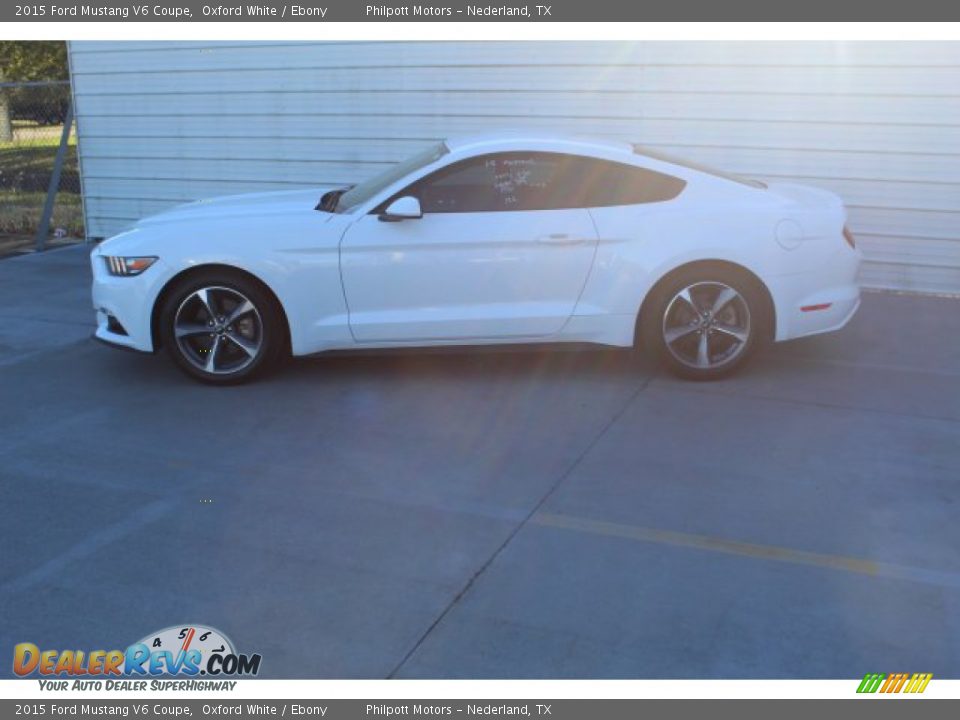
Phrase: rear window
(604, 184)
(657, 155)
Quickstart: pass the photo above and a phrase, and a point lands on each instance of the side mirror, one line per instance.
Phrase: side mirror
(403, 208)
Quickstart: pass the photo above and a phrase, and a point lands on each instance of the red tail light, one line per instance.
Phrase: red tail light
(848, 236)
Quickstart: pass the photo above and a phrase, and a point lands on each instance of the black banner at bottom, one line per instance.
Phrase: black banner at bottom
(867, 707)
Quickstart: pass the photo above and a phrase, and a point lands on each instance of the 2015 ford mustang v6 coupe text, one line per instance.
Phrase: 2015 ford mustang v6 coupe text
(500, 239)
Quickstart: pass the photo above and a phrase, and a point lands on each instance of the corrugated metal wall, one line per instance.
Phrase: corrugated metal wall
(879, 123)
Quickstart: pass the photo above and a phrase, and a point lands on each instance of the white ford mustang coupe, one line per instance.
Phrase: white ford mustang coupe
(500, 239)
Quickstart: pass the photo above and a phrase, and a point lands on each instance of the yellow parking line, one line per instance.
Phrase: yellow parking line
(706, 543)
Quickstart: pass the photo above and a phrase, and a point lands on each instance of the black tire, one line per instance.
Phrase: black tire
(716, 308)
(244, 340)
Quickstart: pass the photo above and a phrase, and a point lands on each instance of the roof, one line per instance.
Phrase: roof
(535, 139)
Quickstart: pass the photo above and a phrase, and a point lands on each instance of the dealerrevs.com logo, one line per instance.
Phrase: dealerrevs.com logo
(888, 683)
(183, 650)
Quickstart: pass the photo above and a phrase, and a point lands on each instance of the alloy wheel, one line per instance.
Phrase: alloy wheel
(218, 330)
(706, 325)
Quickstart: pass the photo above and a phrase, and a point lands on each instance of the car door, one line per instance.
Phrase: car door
(497, 254)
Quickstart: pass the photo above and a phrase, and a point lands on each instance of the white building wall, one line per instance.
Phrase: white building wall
(879, 123)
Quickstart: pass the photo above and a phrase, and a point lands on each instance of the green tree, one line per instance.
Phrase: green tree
(23, 61)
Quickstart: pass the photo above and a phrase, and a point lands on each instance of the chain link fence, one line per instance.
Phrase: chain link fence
(33, 134)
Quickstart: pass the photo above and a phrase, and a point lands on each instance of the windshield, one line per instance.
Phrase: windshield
(657, 155)
(362, 192)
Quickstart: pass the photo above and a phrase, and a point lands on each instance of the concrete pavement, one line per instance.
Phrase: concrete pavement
(487, 514)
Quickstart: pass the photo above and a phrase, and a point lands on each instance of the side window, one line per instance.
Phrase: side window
(464, 187)
(606, 184)
(534, 181)
(502, 182)
(499, 183)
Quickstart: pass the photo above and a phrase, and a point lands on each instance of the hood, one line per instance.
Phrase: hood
(284, 202)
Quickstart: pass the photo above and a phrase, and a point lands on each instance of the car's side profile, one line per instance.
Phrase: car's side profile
(500, 239)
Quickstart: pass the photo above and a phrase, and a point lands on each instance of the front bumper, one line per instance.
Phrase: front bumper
(124, 305)
(108, 340)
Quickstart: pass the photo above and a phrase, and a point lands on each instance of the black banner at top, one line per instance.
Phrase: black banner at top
(477, 11)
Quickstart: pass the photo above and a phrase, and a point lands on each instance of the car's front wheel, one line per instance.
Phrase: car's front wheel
(705, 324)
(221, 327)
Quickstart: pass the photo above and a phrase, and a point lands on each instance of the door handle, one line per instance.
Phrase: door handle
(561, 239)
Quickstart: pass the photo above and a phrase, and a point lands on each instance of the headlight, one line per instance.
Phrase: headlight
(127, 266)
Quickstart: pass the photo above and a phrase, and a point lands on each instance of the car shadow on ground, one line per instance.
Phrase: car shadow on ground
(469, 363)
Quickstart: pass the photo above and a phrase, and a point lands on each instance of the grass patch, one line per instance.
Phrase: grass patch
(20, 213)
(26, 163)
(28, 167)
(27, 134)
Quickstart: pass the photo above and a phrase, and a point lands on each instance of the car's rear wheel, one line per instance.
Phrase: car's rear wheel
(706, 323)
(221, 328)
